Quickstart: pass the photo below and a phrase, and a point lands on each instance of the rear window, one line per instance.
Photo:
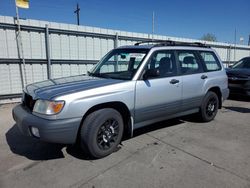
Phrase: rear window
(210, 60)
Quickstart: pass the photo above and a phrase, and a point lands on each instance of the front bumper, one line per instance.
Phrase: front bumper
(225, 94)
(56, 131)
(240, 86)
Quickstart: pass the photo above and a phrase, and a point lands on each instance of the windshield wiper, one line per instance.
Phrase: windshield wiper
(99, 75)
(93, 74)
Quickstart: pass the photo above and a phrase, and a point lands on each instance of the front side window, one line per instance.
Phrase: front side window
(189, 63)
(120, 64)
(211, 62)
(164, 63)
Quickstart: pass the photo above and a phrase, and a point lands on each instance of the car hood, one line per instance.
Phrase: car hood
(238, 72)
(57, 87)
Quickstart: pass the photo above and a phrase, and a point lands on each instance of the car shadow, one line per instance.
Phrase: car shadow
(157, 126)
(32, 148)
(237, 109)
(36, 150)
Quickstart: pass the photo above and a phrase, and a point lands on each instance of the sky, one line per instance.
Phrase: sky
(178, 18)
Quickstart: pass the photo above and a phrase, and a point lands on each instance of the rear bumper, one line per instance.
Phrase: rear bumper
(56, 131)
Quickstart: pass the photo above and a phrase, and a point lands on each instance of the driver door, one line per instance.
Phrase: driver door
(159, 96)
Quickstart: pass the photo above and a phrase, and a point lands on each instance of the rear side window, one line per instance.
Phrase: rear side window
(189, 62)
(211, 61)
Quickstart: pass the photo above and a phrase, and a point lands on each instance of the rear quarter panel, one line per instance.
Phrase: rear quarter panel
(216, 79)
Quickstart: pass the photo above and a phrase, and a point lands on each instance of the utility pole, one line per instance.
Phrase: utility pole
(153, 25)
(235, 45)
(77, 11)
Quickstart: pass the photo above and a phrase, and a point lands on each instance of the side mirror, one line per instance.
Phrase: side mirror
(151, 73)
(123, 56)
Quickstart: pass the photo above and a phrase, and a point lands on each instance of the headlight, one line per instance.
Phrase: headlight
(48, 107)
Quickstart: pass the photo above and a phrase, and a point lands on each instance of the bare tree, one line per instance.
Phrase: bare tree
(209, 37)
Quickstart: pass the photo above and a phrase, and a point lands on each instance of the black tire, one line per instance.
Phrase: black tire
(101, 132)
(209, 107)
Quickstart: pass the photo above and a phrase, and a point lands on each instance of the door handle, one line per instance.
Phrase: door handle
(174, 81)
(203, 77)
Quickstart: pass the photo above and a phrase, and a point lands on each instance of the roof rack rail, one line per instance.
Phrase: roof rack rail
(171, 43)
(153, 41)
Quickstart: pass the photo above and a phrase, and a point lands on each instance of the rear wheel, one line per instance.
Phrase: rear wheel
(101, 132)
(209, 107)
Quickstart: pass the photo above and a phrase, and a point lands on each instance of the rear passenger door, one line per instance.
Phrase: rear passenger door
(193, 78)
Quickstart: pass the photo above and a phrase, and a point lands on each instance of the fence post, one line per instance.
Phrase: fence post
(115, 46)
(116, 40)
(47, 44)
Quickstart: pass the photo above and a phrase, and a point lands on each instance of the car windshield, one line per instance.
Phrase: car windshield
(242, 64)
(120, 64)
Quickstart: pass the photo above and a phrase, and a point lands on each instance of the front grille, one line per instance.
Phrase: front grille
(236, 81)
(238, 91)
(28, 101)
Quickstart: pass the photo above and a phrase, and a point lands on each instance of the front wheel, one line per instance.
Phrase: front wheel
(209, 107)
(101, 132)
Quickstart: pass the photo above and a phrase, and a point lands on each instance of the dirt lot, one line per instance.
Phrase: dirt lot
(176, 153)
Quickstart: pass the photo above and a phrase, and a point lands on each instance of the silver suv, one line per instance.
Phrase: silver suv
(131, 87)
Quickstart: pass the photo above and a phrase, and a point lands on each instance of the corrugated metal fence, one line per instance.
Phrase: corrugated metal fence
(70, 49)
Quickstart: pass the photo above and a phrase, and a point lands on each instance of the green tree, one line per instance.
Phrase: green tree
(209, 37)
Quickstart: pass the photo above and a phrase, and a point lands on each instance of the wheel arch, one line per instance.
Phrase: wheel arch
(117, 105)
(217, 91)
